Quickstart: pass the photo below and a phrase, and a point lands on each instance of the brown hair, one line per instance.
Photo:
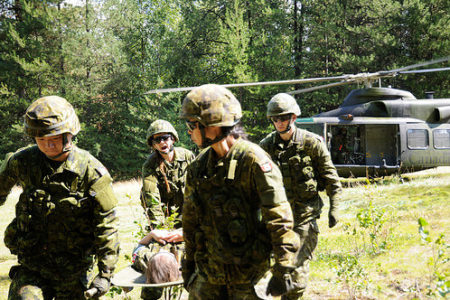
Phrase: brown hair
(162, 267)
(162, 167)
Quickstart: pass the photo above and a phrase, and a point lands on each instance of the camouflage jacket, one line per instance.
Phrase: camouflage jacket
(155, 197)
(235, 213)
(65, 216)
(307, 169)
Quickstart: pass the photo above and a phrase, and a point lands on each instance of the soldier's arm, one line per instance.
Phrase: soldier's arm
(106, 222)
(190, 156)
(190, 226)
(328, 179)
(276, 211)
(264, 144)
(150, 196)
(8, 178)
(326, 170)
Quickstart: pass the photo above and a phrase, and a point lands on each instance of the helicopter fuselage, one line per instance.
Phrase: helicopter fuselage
(368, 137)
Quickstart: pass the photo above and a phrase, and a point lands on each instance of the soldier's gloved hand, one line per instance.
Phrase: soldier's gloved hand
(281, 282)
(333, 217)
(187, 270)
(102, 285)
(333, 214)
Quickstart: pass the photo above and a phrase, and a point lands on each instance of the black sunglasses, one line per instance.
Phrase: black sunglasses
(191, 125)
(282, 118)
(161, 138)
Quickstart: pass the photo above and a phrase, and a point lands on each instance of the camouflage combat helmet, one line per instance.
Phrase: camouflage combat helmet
(49, 116)
(160, 126)
(282, 104)
(211, 105)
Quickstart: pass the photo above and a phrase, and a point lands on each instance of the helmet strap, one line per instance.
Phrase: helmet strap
(287, 128)
(206, 142)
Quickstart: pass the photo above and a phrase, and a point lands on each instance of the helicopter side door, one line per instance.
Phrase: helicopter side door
(381, 144)
(346, 144)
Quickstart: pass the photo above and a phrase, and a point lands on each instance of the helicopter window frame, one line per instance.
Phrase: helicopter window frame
(414, 136)
(443, 139)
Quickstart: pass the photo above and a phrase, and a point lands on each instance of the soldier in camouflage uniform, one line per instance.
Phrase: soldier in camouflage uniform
(164, 175)
(235, 211)
(307, 169)
(65, 216)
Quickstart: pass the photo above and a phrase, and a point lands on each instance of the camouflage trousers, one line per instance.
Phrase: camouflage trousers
(308, 234)
(140, 264)
(201, 289)
(30, 285)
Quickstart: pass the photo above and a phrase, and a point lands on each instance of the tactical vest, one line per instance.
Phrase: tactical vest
(301, 182)
(233, 244)
(64, 215)
(49, 227)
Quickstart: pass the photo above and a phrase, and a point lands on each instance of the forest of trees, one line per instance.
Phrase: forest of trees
(103, 55)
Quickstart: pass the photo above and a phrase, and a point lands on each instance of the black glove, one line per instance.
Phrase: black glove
(187, 269)
(333, 218)
(281, 281)
(101, 284)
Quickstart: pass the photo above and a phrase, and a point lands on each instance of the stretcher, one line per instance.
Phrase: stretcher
(129, 277)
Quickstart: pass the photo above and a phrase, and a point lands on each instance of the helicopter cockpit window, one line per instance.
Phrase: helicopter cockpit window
(441, 138)
(417, 138)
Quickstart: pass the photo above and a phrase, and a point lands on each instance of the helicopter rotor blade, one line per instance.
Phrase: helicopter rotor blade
(366, 78)
(169, 90)
(425, 70)
(233, 85)
(431, 62)
(319, 87)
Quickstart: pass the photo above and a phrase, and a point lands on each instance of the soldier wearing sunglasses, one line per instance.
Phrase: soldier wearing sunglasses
(307, 168)
(164, 174)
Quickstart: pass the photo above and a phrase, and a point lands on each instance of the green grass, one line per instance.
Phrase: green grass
(399, 272)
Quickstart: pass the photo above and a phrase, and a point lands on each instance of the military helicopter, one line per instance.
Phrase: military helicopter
(377, 131)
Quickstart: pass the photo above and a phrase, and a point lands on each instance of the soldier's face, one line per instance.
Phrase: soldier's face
(163, 142)
(282, 122)
(194, 132)
(50, 145)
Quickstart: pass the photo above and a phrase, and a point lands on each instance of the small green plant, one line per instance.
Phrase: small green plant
(169, 222)
(173, 293)
(377, 224)
(351, 230)
(115, 292)
(351, 274)
(437, 263)
(373, 224)
(142, 230)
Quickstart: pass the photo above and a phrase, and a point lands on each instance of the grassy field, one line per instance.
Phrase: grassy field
(375, 252)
